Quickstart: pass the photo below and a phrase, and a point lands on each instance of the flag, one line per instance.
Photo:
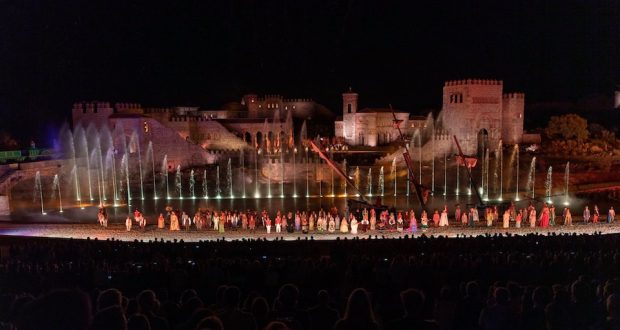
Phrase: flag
(469, 161)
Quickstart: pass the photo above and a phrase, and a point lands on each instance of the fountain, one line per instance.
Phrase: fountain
(149, 151)
(56, 187)
(549, 184)
(307, 173)
(256, 154)
(84, 142)
(381, 183)
(357, 179)
(218, 191)
(345, 171)
(331, 156)
(242, 161)
(566, 181)
(500, 151)
(93, 156)
(445, 176)
(205, 188)
(101, 170)
(486, 166)
(38, 191)
(531, 178)
(395, 175)
(125, 169)
(458, 174)
(433, 159)
(136, 143)
(192, 182)
(164, 171)
(420, 156)
(229, 183)
(517, 177)
(281, 151)
(112, 160)
(177, 182)
(369, 183)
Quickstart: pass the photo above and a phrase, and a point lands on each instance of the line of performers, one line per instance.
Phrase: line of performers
(364, 220)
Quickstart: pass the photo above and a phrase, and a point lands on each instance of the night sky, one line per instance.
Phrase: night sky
(207, 53)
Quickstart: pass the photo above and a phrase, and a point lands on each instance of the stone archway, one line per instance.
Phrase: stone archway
(483, 142)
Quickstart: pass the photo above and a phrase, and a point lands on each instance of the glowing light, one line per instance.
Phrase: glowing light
(566, 203)
(294, 195)
(44, 213)
(256, 195)
(517, 199)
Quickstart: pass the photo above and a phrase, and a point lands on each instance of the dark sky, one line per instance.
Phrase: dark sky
(207, 53)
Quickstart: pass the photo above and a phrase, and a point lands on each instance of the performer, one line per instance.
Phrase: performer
(223, 220)
(354, 225)
(488, 215)
(160, 221)
(596, 214)
(586, 215)
(532, 217)
(518, 219)
(128, 223)
(311, 222)
(392, 222)
(475, 217)
(268, 224)
(424, 220)
(278, 223)
(506, 219)
(252, 223)
(186, 220)
(174, 221)
(611, 215)
(373, 220)
(399, 222)
(331, 224)
(297, 221)
(552, 215)
(457, 214)
(413, 222)
(344, 226)
(544, 216)
(443, 219)
(568, 218)
(304, 223)
(364, 224)
(197, 221)
(436, 218)
(216, 221)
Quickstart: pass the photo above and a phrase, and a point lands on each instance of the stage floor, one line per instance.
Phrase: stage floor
(118, 232)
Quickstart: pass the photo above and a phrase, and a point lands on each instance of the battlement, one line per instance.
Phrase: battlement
(190, 118)
(91, 105)
(267, 97)
(158, 110)
(513, 96)
(473, 82)
(127, 106)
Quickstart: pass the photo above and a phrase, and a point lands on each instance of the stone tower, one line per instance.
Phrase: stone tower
(512, 118)
(472, 110)
(349, 109)
(251, 103)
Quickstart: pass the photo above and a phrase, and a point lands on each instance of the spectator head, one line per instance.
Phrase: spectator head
(210, 323)
(276, 325)
(541, 296)
(613, 306)
(288, 295)
(413, 301)
(260, 307)
(580, 291)
(108, 298)
(219, 295)
(147, 301)
(232, 296)
(323, 297)
(110, 318)
(359, 307)
(472, 289)
(186, 295)
(138, 322)
(501, 295)
(64, 308)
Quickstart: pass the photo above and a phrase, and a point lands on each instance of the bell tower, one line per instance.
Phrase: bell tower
(349, 109)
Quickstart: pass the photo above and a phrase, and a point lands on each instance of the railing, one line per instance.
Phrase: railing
(25, 155)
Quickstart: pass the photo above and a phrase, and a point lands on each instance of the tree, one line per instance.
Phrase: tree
(567, 127)
(7, 142)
